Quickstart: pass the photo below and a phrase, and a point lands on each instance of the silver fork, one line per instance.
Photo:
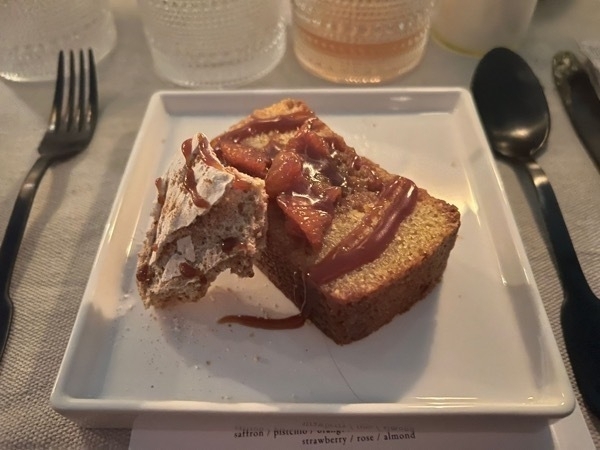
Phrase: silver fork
(70, 130)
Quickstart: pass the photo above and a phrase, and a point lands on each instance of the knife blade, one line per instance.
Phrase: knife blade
(579, 99)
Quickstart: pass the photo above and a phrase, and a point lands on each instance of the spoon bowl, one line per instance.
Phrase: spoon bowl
(512, 105)
(515, 116)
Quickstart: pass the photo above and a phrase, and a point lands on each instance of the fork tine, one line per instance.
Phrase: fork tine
(93, 96)
(81, 108)
(56, 113)
(71, 94)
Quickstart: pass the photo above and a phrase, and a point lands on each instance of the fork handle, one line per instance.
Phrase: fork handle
(18, 220)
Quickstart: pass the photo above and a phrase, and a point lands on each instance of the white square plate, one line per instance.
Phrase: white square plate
(480, 343)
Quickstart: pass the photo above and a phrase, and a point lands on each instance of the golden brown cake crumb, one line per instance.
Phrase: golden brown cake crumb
(349, 243)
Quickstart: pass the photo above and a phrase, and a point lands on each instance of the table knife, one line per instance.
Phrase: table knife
(580, 99)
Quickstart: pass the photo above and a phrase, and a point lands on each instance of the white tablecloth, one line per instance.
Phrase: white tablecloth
(75, 197)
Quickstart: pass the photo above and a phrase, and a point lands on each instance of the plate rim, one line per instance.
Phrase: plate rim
(95, 410)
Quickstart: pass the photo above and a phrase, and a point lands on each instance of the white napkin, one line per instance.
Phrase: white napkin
(187, 432)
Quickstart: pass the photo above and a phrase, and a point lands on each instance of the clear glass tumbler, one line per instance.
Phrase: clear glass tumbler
(474, 27)
(214, 43)
(360, 41)
(32, 32)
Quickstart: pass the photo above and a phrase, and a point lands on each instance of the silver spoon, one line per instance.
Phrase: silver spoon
(516, 119)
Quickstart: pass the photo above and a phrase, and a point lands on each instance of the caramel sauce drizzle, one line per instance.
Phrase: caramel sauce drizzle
(190, 186)
(189, 182)
(201, 150)
(190, 154)
(282, 123)
(229, 244)
(143, 273)
(371, 237)
(189, 271)
(365, 243)
(266, 323)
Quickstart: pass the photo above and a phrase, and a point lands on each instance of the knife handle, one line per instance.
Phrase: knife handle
(579, 96)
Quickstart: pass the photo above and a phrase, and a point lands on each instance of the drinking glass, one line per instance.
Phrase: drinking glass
(214, 43)
(32, 32)
(474, 27)
(360, 41)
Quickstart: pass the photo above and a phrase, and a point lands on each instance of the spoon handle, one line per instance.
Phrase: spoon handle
(565, 257)
(581, 309)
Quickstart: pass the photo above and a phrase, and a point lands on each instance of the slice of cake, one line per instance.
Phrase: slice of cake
(207, 218)
(349, 243)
